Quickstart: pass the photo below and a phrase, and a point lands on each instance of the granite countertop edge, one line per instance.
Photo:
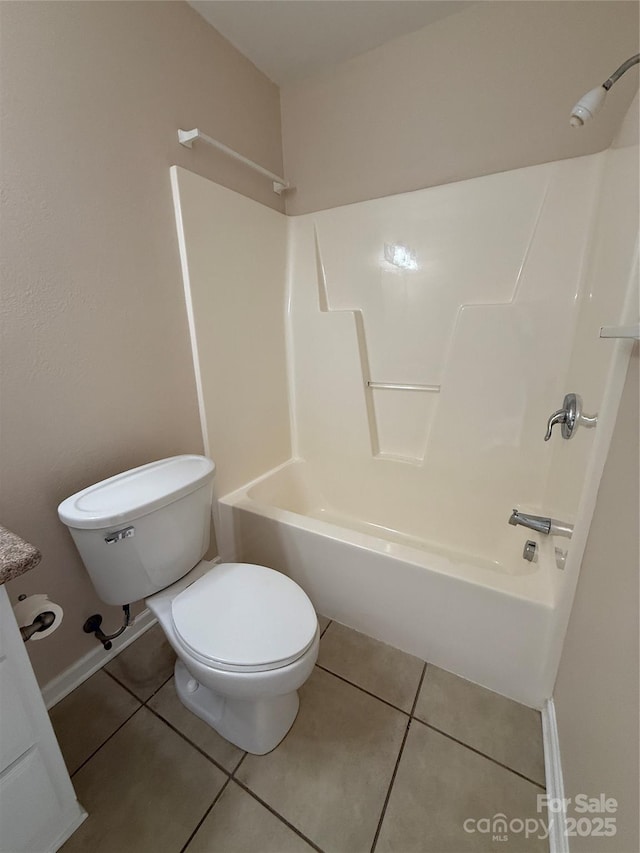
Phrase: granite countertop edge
(16, 556)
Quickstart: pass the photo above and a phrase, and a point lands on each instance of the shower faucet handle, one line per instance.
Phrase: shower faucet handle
(559, 417)
(569, 417)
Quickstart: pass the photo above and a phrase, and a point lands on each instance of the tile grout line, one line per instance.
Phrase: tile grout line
(190, 742)
(276, 814)
(237, 767)
(483, 754)
(162, 720)
(429, 725)
(124, 686)
(231, 774)
(105, 741)
(130, 691)
(206, 814)
(397, 764)
(364, 690)
(342, 678)
(420, 683)
(473, 749)
(232, 778)
(166, 681)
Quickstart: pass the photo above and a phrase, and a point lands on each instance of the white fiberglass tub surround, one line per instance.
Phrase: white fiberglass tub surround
(389, 505)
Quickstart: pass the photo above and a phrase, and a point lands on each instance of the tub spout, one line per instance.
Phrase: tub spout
(541, 524)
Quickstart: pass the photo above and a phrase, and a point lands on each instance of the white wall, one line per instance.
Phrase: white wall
(598, 366)
(596, 693)
(597, 689)
(487, 318)
(234, 254)
(608, 269)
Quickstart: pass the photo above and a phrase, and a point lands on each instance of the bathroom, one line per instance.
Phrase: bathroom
(455, 116)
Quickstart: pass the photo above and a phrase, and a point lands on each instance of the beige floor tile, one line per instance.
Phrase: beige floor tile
(387, 672)
(505, 730)
(323, 622)
(145, 791)
(85, 718)
(240, 824)
(167, 704)
(330, 775)
(145, 665)
(440, 784)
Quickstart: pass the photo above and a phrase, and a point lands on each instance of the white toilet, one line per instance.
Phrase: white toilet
(246, 636)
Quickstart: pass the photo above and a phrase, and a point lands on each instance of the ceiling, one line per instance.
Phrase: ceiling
(292, 39)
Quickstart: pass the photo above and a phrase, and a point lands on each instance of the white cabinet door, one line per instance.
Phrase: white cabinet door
(16, 732)
(38, 806)
(29, 805)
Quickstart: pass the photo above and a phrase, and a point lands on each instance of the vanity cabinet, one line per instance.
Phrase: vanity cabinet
(38, 806)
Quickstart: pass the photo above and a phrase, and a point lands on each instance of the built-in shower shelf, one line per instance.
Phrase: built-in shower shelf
(632, 332)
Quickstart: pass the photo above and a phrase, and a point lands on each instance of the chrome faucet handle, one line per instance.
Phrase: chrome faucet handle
(569, 417)
(558, 417)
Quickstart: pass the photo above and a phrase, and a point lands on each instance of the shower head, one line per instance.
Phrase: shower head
(589, 104)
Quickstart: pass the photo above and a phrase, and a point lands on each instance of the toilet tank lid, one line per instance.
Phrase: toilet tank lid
(135, 493)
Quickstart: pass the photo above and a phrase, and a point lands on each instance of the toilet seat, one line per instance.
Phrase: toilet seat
(241, 617)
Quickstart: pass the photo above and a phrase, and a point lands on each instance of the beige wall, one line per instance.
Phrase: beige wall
(482, 91)
(96, 367)
(596, 692)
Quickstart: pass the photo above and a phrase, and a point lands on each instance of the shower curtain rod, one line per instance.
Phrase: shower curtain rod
(187, 137)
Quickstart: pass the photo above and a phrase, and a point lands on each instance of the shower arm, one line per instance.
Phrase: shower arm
(617, 74)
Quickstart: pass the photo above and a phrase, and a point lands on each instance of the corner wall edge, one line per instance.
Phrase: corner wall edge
(558, 841)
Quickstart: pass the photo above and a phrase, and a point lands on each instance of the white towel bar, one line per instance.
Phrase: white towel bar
(187, 138)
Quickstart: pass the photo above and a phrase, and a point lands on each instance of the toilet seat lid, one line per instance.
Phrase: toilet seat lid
(243, 616)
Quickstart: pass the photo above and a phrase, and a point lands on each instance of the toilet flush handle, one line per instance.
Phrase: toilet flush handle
(119, 535)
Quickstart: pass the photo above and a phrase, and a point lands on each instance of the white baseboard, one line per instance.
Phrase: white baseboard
(63, 684)
(558, 841)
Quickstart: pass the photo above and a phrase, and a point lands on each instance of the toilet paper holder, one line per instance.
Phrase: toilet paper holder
(37, 617)
(40, 623)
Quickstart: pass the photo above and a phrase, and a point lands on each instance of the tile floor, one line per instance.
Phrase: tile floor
(387, 754)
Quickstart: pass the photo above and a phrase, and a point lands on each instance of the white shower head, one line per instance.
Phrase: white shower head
(589, 104)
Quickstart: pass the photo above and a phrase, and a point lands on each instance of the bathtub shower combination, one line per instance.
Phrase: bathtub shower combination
(375, 383)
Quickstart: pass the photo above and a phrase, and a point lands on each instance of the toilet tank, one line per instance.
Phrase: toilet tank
(141, 531)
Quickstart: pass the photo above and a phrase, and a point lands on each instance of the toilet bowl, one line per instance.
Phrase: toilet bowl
(246, 636)
(242, 680)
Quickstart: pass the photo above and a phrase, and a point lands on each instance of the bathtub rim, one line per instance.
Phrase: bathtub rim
(536, 588)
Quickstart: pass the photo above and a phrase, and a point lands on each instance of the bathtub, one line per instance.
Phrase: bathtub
(487, 620)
